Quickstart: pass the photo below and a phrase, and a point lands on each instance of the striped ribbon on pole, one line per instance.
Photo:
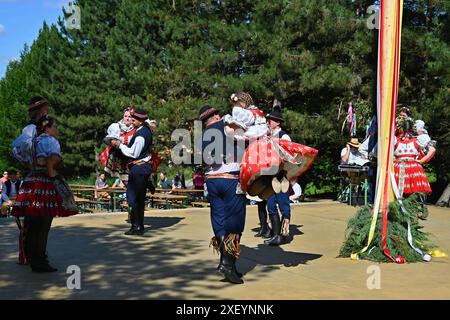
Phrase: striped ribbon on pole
(387, 93)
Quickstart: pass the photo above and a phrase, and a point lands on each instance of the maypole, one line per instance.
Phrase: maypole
(387, 95)
(389, 40)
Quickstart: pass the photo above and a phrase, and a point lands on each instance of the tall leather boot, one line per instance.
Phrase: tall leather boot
(134, 230)
(262, 214)
(30, 244)
(228, 266)
(38, 261)
(43, 238)
(140, 217)
(221, 263)
(277, 239)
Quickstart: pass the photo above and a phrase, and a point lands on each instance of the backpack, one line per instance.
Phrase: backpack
(23, 145)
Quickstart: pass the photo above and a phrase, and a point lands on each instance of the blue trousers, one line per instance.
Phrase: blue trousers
(282, 200)
(227, 207)
(136, 190)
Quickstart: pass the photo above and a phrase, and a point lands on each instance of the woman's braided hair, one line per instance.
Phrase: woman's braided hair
(44, 122)
(242, 97)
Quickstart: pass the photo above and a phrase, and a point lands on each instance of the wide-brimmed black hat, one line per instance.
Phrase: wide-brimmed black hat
(275, 115)
(206, 112)
(37, 103)
(140, 115)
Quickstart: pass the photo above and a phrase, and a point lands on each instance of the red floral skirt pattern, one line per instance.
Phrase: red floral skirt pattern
(410, 177)
(39, 196)
(267, 156)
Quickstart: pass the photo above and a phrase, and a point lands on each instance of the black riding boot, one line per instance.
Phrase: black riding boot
(220, 243)
(262, 214)
(277, 239)
(134, 230)
(227, 265)
(39, 262)
(42, 244)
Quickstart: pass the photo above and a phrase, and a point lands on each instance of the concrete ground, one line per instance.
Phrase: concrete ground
(173, 260)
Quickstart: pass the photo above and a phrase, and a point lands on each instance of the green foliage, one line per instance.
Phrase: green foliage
(172, 57)
(358, 231)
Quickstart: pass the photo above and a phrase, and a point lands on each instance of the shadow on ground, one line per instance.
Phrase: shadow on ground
(159, 265)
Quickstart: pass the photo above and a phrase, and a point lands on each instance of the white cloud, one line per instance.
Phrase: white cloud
(2, 29)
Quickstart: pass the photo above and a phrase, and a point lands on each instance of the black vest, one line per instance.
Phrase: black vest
(280, 134)
(146, 133)
(227, 147)
(8, 187)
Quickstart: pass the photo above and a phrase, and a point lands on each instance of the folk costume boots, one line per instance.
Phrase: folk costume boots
(227, 266)
(277, 239)
(262, 214)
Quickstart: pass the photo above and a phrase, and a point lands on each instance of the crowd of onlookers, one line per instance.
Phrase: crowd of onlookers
(164, 182)
(178, 182)
(10, 183)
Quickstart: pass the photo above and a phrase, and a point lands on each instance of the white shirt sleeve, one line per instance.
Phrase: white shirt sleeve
(423, 140)
(297, 192)
(135, 150)
(364, 148)
(286, 137)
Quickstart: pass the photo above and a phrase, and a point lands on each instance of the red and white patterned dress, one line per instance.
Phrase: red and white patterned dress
(268, 155)
(40, 195)
(409, 173)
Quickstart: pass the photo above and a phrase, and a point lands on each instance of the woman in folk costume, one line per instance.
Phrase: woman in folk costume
(272, 161)
(43, 195)
(269, 164)
(248, 123)
(410, 153)
(112, 159)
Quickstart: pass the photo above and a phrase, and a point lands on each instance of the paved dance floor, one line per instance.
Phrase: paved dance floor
(174, 261)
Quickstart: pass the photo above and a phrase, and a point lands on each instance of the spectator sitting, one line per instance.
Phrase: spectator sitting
(176, 183)
(101, 184)
(164, 183)
(295, 198)
(3, 180)
(9, 192)
(119, 183)
(351, 154)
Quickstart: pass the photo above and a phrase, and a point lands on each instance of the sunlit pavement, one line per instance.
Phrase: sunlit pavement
(174, 261)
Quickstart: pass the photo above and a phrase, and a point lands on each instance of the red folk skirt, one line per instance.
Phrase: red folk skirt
(410, 176)
(41, 196)
(267, 156)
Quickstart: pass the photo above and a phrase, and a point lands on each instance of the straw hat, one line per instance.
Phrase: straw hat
(354, 142)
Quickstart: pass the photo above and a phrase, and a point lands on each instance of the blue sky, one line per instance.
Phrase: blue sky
(20, 21)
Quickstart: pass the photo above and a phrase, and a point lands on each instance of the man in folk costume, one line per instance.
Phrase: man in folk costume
(139, 151)
(280, 200)
(228, 202)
